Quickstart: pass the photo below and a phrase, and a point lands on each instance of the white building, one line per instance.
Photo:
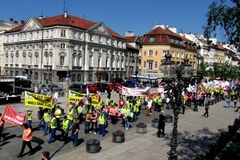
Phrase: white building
(55, 47)
(5, 26)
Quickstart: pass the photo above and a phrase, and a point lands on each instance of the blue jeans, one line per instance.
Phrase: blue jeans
(74, 138)
(228, 103)
(126, 123)
(101, 129)
(29, 122)
(40, 124)
(45, 129)
(52, 135)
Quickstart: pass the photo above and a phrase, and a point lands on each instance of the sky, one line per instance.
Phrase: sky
(139, 16)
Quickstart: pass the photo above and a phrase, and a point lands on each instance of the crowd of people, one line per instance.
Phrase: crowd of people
(96, 117)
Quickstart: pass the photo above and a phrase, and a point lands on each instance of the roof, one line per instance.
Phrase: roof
(70, 20)
(164, 36)
(131, 38)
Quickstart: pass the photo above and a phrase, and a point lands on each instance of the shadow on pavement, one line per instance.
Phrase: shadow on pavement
(193, 145)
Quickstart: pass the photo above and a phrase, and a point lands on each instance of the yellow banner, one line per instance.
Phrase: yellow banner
(95, 100)
(38, 100)
(74, 96)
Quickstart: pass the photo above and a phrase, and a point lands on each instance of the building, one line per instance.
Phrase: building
(133, 56)
(5, 26)
(64, 46)
(160, 41)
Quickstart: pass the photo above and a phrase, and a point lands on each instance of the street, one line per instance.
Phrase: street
(195, 134)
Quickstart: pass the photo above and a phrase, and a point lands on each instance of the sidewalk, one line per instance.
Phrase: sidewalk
(195, 134)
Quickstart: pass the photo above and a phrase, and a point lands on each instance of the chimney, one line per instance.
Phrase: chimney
(65, 14)
(129, 33)
(22, 22)
(11, 19)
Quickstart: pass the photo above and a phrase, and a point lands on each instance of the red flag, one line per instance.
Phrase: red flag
(12, 116)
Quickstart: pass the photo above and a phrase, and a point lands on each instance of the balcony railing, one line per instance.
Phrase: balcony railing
(62, 67)
(77, 67)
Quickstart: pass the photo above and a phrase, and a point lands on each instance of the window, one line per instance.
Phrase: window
(164, 52)
(150, 53)
(145, 53)
(79, 77)
(36, 75)
(63, 33)
(178, 55)
(155, 64)
(99, 61)
(182, 55)
(73, 77)
(16, 73)
(61, 60)
(11, 73)
(90, 77)
(173, 54)
(152, 39)
(144, 64)
(150, 65)
(156, 52)
(62, 46)
(90, 61)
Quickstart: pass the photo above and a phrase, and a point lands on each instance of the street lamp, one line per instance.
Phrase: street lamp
(198, 57)
(183, 74)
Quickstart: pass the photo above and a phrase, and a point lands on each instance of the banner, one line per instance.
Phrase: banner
(95, 100)
(38, 100)
(74, 96)
(12, 116)
(134, 91)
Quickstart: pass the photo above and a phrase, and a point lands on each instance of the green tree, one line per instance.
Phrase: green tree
(224, 14)
(202, 70)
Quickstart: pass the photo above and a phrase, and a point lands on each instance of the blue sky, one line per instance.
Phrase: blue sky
(120, 15)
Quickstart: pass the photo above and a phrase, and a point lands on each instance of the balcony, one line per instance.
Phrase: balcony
(76, 67)
(65, 68)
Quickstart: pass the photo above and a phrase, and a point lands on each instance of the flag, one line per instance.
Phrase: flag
(12, 116)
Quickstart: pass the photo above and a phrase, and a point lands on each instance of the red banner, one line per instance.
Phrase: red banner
(12, 116)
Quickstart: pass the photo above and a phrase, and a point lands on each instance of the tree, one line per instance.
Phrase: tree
(224, 14)
(202, 70)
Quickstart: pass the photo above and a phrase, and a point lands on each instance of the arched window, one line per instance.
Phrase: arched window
(74, 59)
(90, 60)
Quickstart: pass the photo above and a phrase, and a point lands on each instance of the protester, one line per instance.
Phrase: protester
(75, 130)
(101, 124)
(27, 138)
(40, 118)
(46, 119)
(53, 127)
(65, 128)
(1, 127)
(45, 155)
(161, 124)
(29, 118)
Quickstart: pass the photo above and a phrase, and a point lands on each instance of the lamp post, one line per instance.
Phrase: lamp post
(182, 73)
(198, 57)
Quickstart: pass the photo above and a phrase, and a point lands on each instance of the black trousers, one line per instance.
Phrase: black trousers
(206, 112)
(24, 143)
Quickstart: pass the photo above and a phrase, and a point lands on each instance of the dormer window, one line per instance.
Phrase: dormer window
(152, 39)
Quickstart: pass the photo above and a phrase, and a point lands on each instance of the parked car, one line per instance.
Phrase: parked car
(102, 87)
(53, 88)
(81, 88)
(78, 87)
(22, 82)
(92, 88)
(115, 86)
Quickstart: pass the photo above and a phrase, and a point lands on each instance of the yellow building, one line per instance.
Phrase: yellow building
(159, 41)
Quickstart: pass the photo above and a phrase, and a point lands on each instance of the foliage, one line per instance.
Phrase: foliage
(202, 70)
(224, 15)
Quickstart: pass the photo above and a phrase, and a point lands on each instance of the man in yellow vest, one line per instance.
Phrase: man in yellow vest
(46, 119)
(65, 128)
(53, 127)
(58, 114)
(29, 118)
(27, 138)
(101, 124)
(70, 115)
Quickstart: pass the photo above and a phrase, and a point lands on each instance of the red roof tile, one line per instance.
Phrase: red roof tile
(131, 38)
(68, 21)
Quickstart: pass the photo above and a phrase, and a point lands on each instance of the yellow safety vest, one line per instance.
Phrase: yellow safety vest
(65, 124)
(46, 117)
(53, 123)
(101, 120)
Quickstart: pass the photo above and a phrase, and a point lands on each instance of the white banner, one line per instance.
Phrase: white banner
(133, 91)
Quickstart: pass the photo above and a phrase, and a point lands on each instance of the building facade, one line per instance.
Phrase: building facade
(160, 41)
(5, 26)
(61, 47)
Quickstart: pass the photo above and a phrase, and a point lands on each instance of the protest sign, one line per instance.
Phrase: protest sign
(12, 116)
(38, 100)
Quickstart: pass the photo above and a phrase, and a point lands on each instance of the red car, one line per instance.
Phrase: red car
(116, 86)
(92, 88)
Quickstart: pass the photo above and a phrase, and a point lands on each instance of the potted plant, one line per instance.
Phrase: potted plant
(168, 118)
(118, 136)
(141, 128)
(93, 145)
(155, 123)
